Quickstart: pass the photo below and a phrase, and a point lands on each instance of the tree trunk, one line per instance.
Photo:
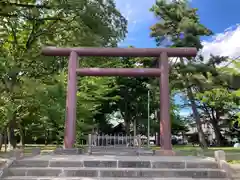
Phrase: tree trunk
(22, 137)
(9, 147)
(214, 122)
(47, 136)
(218, 134)
(1, 141)
(5, 140)
(196, 116)
(127, 125)
(126, 117)
(12, 143)
(134, 128)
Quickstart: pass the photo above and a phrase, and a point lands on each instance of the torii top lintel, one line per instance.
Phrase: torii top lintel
(121, 52)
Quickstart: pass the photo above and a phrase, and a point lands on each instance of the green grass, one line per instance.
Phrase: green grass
(28, 149)
(234, 162)
(232, 154)
(211, 149)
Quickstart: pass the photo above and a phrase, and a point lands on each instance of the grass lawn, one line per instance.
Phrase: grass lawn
(232, 154)
(28, 149)
(210, 149)
(234, 162)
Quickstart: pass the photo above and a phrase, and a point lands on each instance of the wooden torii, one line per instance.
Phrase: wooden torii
(162, 72)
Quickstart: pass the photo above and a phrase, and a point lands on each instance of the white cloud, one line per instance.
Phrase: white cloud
(223, 44)
(135, 11)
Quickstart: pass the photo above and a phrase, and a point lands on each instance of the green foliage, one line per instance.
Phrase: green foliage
(206, 87)
(219, 98)
(177, 18)
(232, 72)
(33, 87)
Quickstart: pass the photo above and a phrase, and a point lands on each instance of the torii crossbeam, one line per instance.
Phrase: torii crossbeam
(162, 72)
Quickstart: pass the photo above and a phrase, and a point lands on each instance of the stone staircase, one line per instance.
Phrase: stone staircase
(84, 167)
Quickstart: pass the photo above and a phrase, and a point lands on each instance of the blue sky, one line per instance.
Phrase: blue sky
(221, 16)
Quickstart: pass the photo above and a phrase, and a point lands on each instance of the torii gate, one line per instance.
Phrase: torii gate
(162, 72)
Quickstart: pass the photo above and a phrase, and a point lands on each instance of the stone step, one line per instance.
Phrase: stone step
(119, 148)
(116, 164)
(84, 178)
(117, 172)
(121, 153)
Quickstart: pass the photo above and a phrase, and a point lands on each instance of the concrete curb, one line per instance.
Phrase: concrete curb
(72, 151)
(220, 158)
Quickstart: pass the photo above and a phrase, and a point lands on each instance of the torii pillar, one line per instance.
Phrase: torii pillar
(71, 102)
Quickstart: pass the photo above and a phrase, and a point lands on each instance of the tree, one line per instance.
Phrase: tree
(25, 27)
(177, 20)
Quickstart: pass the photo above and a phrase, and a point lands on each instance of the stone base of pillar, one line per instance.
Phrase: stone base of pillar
(17, 154)
(164, 153)
(68, 151)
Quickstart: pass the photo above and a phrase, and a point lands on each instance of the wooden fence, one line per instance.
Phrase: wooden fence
(114, 140)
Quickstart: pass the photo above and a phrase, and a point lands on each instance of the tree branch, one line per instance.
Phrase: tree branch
(25, 5)
(29, 17)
